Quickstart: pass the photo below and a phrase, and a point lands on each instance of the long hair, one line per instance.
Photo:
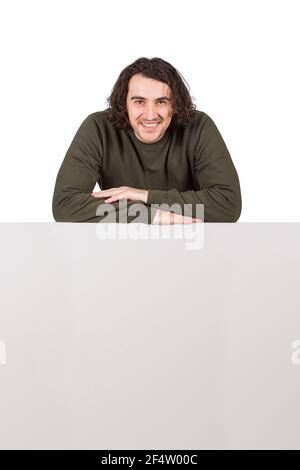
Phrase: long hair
(157, 69)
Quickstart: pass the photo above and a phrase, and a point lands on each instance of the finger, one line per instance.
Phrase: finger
(97, 195)
(117, 193)
(115, 198)
(188, 218)
(109, 192)
(179, 219)
(112, 190)
(111, 199)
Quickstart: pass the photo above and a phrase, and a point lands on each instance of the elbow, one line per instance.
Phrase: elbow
(234, 201)
(57, 216)
(59, 212)
(234, 215)
(226, 211)
(235, 209)
(58, 206)
(55, 211)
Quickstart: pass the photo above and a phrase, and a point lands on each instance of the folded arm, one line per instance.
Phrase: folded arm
(216, 176)
(76, 179)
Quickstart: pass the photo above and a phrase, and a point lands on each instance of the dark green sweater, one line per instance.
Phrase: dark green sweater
(187, 166)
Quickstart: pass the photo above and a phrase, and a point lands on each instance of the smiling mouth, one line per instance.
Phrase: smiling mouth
(152, 125)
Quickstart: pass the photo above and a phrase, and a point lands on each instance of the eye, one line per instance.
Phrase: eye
(162, 101)
(139, 101)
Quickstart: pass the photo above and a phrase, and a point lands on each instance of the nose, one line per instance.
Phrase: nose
(150, 112)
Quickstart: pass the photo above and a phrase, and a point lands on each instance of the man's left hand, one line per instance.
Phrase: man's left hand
(123, 192)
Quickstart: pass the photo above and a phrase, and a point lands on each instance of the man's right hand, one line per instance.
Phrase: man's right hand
(170, 218)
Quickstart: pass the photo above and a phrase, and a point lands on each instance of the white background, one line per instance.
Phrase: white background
(60, 59)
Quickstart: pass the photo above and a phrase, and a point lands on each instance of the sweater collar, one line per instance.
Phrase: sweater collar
(149, 146)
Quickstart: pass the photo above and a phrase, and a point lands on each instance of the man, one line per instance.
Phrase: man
(150, 148)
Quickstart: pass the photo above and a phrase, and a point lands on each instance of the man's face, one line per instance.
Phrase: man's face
(148, 102)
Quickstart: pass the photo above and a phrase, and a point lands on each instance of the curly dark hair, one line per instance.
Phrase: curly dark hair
(158, 69)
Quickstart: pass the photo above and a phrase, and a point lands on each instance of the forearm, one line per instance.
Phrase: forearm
(221, 204)
(82, 207)
(80, 171)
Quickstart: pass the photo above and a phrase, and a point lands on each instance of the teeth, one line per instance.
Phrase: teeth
(151, 125)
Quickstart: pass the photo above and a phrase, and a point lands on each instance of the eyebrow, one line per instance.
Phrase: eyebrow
(166, 98)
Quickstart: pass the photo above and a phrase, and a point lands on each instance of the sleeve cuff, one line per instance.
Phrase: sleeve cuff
(157, 196)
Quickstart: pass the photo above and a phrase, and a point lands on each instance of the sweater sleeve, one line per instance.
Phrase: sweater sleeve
(76, 179)
(216, 177)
